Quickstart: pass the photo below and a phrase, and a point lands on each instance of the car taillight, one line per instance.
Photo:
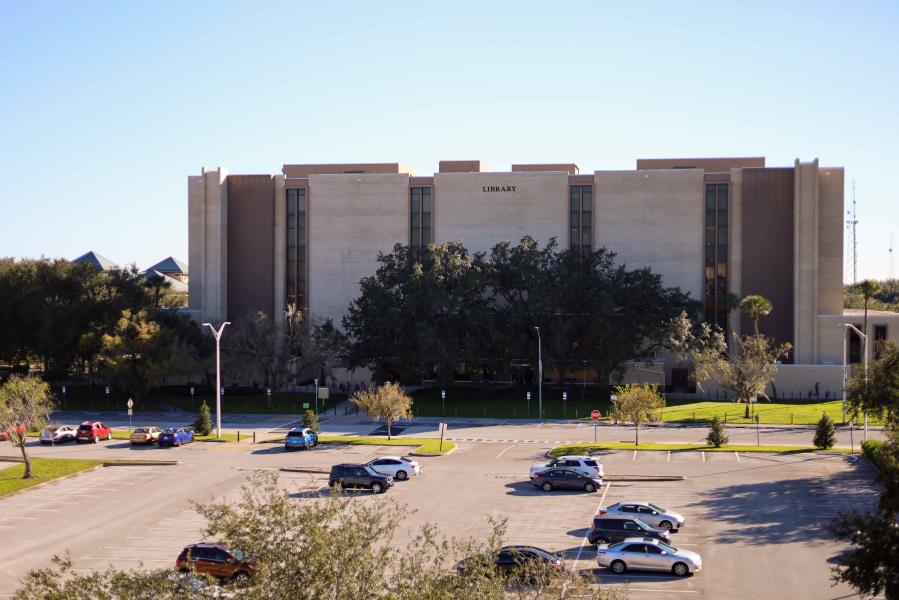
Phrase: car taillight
(538, 476)
(601, 513)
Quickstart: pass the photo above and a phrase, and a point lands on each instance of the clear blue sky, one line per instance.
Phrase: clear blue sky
(107, 107)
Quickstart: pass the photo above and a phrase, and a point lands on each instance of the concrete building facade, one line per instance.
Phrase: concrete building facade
(712, 227)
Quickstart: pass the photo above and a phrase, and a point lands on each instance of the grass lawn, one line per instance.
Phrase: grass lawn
(119, 434)
(43, 469)
(566, 449)
(512, 404)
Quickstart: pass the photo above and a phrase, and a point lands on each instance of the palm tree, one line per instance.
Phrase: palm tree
(756, 306)
(868, 288)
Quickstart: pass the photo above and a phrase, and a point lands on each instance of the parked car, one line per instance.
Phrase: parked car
(175, 436)
(647, 555)
(215, 560)
(300, 437)
(511, 557)
(613, 529)
(585, 465)
(146, 435)
(93, 431)
(565, 479)
(649, 513)
(19, 428)
(359, 476)
(398, 467)
(57, 434)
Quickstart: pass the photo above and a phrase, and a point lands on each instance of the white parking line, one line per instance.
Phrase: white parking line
(703, 457)
(586, 536)
(504, 451)
(540, 424)
(737, 454)
(669, 456)
(372, 450)
(635, 455)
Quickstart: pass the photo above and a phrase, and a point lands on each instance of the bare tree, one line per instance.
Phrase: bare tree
(388, 402)
(25, 404)
(746, 372)
(637, 403)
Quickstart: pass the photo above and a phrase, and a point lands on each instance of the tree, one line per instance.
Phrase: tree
(323, 349)
(637, 403)
(203, 424)
(325, 547)
(716, 437)
(249, 349)
(825, 437)
(310, 420)
(871, 565)
(746, 372)
(868, 288)
(25, 404)
(388, 402)
(756, 306)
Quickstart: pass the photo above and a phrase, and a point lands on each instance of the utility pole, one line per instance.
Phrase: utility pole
(218, 376)
(539, 374)
(851, 225)
(892, 265)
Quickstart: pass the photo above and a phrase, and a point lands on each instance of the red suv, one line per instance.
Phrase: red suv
(215, 560)
(93, 432)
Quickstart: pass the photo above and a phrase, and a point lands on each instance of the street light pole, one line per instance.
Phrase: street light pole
(864, 340)
(218, 376)
(539, 374)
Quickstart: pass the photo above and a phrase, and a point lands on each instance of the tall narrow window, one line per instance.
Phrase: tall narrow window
(880, 338)
(580, 221)
(716, 236)
(420, 211)
(296, 247)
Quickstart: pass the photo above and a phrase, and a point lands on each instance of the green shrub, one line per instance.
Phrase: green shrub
(203, 424)
(872, 451)
(310, 420)
(716, 437)
(825, 436)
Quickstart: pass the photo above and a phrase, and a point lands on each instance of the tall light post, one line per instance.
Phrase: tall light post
(864, 340)
(218, 376)
(539, 374)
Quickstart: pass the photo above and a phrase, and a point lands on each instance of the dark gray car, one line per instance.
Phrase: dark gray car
(613, 529)
(358, 476)
(565, 479)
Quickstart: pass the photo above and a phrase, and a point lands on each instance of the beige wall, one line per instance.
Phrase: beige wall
(207, 245)
(831, 331)
(351, 218)
(795, 381)
(830, 240)
(805, 260)
(653, 219)
(463, 210)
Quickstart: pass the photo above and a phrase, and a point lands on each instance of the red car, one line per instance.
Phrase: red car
(20, 429)
(93, 432)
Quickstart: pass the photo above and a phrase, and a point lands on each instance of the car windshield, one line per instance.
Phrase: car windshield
(171, 430)
(656, 508)
(591, 463)
(50, 429)
(140, 430)
(295, 434)
(85, 427)
(643, 525)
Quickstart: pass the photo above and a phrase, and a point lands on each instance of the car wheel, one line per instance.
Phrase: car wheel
(377, 488)
(336, 482)
(618, 566)
(402, 475)
(589, 487)
(665, 525)
(680, 569)
(241, 578)
(547, 487)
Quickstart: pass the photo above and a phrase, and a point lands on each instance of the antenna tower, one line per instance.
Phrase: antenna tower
(892, 266)
(851, 222)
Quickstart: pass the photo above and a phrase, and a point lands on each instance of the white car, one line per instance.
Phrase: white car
(585, 465)
(398, 467)
(56, 434)
(651, 514)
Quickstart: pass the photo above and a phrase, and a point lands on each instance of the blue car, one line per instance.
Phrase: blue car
(300, 437)
(175, 436)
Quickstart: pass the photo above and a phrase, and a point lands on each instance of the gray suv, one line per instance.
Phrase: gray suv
(610, 530)
(358, 476)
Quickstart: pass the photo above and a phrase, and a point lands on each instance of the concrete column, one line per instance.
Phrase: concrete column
(735, 246)
(196, 242)
(215, 247)
(805, 273)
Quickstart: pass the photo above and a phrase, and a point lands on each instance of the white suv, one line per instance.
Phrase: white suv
(582, 464)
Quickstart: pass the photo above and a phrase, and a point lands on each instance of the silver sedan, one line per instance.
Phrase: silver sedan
(649, 513)
(648, 555)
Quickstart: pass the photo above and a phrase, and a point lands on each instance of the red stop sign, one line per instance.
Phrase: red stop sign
(594, 415)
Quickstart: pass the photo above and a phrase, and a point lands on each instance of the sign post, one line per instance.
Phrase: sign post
(442, 428)
(529, 404)
(130, 412)
(192, 396)
(758, 439)
(268, 392)
(107, 397)
(594, 414)
(316, 396)
(443, 401)
(564, 401)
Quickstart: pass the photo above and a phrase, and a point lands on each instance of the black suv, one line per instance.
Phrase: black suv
(358, 476)
(610, 530)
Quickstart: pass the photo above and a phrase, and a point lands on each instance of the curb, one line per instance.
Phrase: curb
(54, 480)
(303, 470)
(447, 453)
(138, 463)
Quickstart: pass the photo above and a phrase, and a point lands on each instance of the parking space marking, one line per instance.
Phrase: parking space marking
(669, 456)
(737, 454)
(635, 455)
(703, 456)
(500, 455)
(587, 535)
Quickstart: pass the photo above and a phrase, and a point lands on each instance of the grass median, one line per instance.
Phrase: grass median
(568, 449)
(423, 446)
(43, 470)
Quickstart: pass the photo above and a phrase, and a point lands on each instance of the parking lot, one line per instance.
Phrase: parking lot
(758, 520)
